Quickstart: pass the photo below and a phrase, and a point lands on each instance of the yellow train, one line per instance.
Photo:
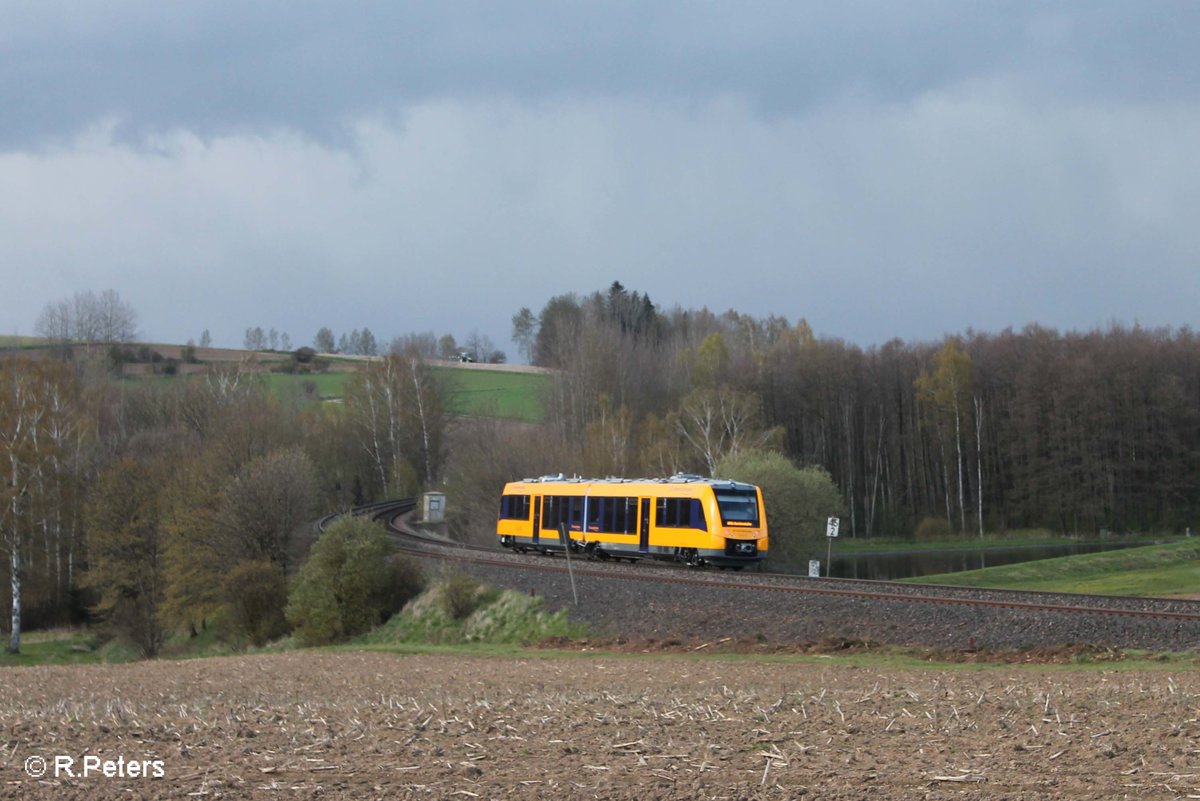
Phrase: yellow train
(686, 518)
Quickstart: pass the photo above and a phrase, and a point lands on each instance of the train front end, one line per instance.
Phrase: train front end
(738, 533)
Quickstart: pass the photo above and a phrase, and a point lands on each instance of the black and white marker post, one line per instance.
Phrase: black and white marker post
(831, 530)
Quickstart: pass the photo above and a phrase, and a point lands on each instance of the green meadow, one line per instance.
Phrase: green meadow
(14, 341)
(472, 392)
(495, 393)
(1151, 570)
(326, 386)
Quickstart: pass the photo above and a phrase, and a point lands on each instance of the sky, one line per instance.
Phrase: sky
(881, 169)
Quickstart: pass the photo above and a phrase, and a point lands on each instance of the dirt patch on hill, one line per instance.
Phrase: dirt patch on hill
(363, 725)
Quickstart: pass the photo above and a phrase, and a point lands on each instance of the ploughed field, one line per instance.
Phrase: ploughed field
(372, 725)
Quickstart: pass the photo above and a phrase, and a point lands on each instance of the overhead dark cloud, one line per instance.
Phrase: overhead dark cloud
(881, 169)
(218, 67)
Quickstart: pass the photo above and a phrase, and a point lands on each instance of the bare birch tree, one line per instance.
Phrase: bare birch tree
(26, 448)
(722, 421)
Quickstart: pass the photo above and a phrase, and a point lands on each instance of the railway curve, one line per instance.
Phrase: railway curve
(670, 603)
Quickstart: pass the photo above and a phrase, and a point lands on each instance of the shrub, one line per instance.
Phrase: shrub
(460, 595)
(931, 529)
(255, 595)
(407, 583)
(798, 501)
(346, 586)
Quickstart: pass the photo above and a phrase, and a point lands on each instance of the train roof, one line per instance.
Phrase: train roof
(676, 480)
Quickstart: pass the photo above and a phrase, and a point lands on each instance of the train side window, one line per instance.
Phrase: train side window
(514, 507)
(679, 513)
(552, 512)
(610, 515)
(623, 516)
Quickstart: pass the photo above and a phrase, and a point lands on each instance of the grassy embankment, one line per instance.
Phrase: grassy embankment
(1152, 570)
(456, 613)
(459, 616)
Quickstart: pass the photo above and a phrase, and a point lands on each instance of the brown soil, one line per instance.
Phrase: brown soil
(364, 725)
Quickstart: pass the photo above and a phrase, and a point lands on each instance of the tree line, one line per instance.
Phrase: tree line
(154, 506)
(1075, 432)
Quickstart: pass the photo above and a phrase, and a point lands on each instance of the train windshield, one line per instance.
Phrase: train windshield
(738, 507)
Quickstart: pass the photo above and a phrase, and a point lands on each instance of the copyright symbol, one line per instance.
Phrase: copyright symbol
(35, 766)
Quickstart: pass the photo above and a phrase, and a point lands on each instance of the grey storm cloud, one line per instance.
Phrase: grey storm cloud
(881, 169)
(225, 66)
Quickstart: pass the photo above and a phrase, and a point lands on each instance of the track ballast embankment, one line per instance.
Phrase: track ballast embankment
(665, 603)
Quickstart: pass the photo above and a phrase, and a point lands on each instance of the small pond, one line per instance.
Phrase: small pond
(893, 565)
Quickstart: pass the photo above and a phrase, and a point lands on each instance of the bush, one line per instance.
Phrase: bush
(932, 529)
(460, 595)
(798, 501)
(255, 596)
(407, 583)
(347, 585)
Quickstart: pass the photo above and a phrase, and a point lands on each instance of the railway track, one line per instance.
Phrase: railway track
(1057, 615)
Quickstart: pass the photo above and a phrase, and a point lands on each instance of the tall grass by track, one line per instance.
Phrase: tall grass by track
(1152, 570)
(460, 611)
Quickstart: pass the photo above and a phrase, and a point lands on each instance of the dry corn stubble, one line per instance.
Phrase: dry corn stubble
(361, 725)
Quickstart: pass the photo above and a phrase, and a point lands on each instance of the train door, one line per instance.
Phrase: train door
(537, 517)
(644, 525)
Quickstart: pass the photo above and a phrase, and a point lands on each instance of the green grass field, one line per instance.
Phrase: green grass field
(480, 393)
(13, 341)
(488, 393)
(285, 386)
(65, 647)
(1152, 570)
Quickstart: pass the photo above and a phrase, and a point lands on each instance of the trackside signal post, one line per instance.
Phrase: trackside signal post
(831, 531)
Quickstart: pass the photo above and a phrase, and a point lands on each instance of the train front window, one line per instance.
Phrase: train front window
(738, 507)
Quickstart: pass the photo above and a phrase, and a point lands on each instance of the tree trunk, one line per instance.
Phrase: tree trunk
(14, 643)
(962, 506)
(979, 461)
